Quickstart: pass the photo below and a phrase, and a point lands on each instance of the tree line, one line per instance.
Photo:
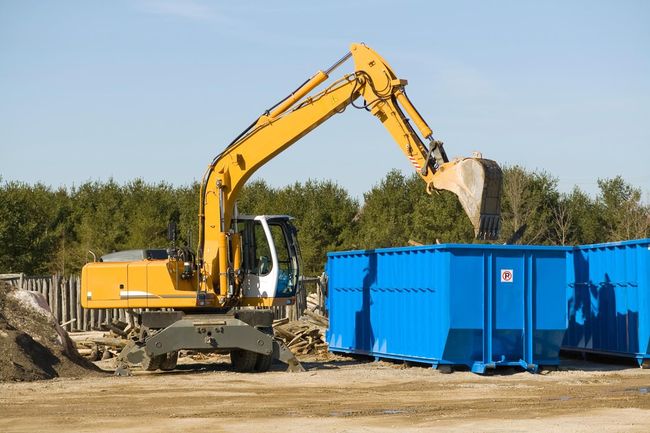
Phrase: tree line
(45, 230)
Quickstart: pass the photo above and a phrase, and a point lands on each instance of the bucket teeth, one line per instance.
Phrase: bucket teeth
(489, 226)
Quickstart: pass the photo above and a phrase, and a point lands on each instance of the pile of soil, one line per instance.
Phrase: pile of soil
(32, 344)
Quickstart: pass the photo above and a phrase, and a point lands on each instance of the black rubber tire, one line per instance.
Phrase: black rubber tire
(243, 361)
(263, 363)
(152, 364)
(169, 361)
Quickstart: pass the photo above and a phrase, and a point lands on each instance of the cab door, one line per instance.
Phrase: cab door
(269, 261)
(259, 261)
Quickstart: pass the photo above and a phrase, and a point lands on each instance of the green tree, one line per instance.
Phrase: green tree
(100, 220)
(622, 212)
(398, 210)
(45, 230)
(258, 198)
(148, 209)
(583, 216)
(384, 218)
(29, 219)
(438, 217)
(529, 198)
(187, 202)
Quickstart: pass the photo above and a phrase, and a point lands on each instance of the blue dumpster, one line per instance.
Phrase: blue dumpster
(608, 299)
(481, 306)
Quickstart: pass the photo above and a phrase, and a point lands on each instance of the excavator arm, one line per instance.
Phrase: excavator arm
(476, 181)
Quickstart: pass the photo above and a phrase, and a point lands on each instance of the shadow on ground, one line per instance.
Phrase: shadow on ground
(569, 362)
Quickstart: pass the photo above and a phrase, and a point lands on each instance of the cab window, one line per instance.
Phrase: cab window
(263, 261)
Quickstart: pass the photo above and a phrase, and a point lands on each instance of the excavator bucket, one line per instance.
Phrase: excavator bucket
(477, 183)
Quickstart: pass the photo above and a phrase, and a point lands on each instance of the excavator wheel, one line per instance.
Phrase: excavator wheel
(152, 363)
(264, 362)
(243, 361)
(169, 361)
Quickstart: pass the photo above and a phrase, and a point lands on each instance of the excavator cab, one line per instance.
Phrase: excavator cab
(270, 257)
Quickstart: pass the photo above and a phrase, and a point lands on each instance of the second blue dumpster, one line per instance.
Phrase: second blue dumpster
(609, 300)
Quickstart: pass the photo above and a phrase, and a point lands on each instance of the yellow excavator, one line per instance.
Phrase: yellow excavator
(194, 299)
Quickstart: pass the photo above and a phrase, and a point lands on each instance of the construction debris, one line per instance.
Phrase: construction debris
(96, 345)
(33, 345)
(314, 303)
(304, 336)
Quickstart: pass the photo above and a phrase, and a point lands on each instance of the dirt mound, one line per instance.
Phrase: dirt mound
(32, 344)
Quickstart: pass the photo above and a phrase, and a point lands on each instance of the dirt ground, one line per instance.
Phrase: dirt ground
(335, 395)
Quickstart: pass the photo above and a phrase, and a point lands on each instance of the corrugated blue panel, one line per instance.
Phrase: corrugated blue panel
(475, 305)
(607, 298)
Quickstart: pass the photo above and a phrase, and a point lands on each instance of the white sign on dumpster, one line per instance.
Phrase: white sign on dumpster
(507, 275)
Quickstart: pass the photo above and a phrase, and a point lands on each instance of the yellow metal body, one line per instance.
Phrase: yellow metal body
(139, 284)
(219, 250)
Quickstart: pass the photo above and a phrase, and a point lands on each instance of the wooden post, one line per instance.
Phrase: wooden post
(59, 300)
(86, 319)
(72, 298)
(79, 321)
(50, 295)
(56, 306)
(64, 301)
(52, 298)
(46, 289)
(130, 317)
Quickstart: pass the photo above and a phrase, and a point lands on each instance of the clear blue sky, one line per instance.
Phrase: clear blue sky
(154, 89)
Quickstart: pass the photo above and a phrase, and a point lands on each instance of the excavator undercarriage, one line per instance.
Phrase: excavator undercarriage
(246, 334)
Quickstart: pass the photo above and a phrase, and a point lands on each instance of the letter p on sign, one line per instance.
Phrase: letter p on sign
(507, 275)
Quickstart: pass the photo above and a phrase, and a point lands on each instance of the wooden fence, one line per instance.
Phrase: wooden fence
(63, 296)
